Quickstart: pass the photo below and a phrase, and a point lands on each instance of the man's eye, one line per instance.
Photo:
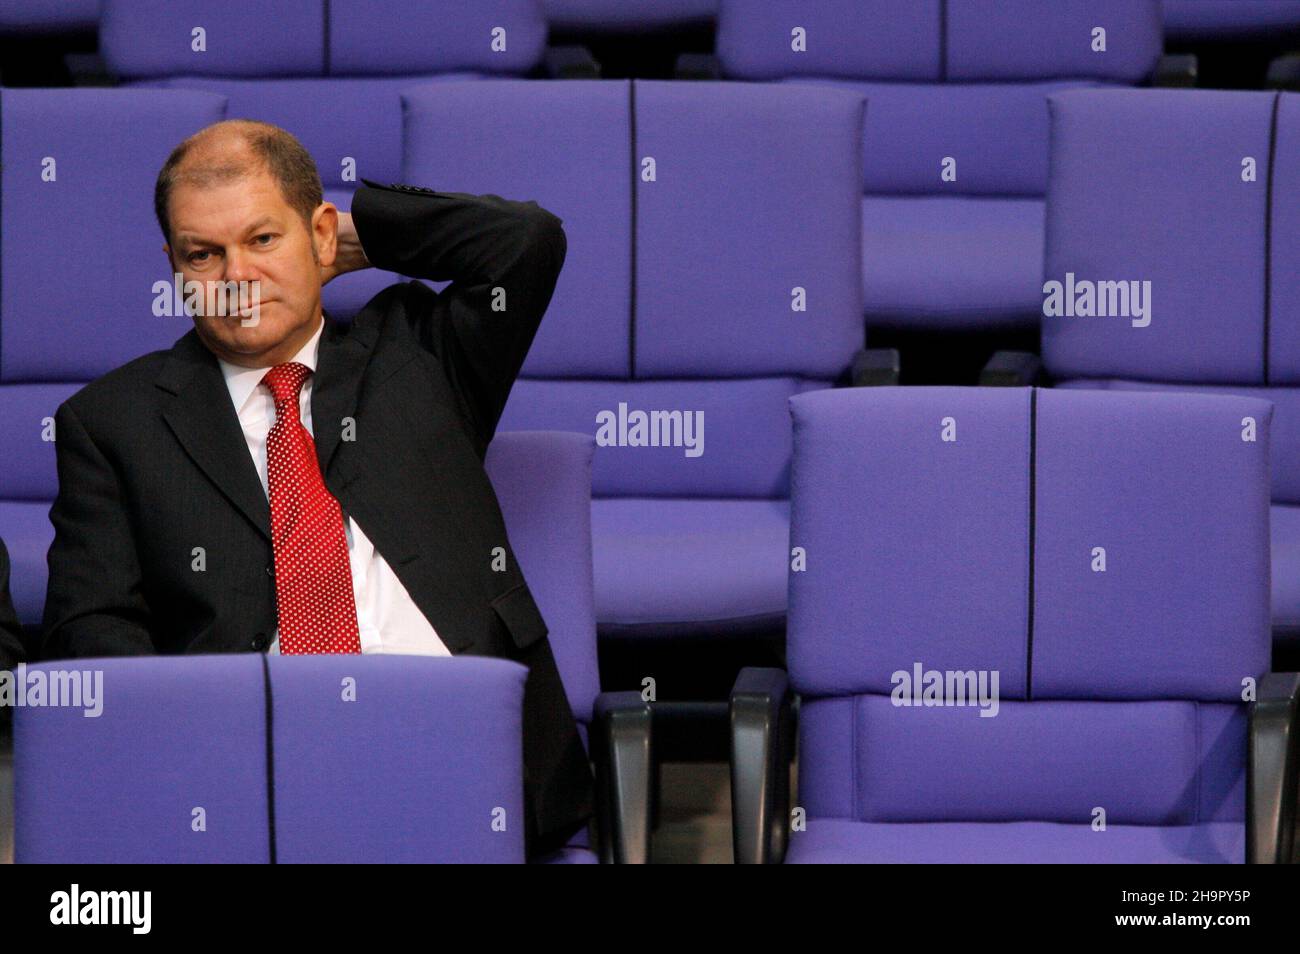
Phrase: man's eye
(264, 238)
(198, 258)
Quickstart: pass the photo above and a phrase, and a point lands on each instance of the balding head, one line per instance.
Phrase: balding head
(237, 149)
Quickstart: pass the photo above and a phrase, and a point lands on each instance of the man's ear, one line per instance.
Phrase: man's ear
(325, 233)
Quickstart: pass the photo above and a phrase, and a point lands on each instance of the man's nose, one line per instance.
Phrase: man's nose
(240, 266)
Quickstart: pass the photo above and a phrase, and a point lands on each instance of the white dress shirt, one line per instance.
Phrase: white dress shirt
(388, 620)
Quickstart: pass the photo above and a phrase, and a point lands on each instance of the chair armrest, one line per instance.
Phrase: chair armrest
(1271, 766)
(622, 750)
(762, 729)
(1011, 369)
(571, 62)
(697, 66)
(876, 367)
(1284, 73)
(1176, 71)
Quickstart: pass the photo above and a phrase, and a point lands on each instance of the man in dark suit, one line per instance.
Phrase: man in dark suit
(280, 482)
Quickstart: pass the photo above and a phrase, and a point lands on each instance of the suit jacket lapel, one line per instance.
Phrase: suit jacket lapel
(336, 385)
(203, 419)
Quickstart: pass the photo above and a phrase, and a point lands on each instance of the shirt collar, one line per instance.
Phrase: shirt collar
(242, 382)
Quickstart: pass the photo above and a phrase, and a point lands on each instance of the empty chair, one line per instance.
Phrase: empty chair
(955, 140)
(1172, 264)
(712, 272)
(81, 256)
(1032, 626)
(424, 761)
(330, 73)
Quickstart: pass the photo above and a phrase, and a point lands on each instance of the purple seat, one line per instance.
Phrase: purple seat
(425, 759)
(342, 100)
(71, 306)
(962, 83)
(172, 770)
(1230, 19)
(627, 16)
(39, 17)
(681, 301)
(543, 483)
(424, 756)
(1103, 557)
(1218, 248)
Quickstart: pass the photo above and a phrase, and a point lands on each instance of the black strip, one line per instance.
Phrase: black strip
(270, 761)
(636, 183)
(1033, 508)
(943, 41)
(1268, 231)
(325, 6)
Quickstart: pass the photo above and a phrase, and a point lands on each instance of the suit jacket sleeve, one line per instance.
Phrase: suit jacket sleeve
(495, 252)
(94, 605)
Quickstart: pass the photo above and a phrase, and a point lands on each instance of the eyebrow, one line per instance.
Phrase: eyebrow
(190, 240)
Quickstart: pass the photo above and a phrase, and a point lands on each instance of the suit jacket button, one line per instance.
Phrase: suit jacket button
(259, 642)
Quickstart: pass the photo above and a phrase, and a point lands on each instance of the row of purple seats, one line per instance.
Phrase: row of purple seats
(955, 140)
(330, 73)
(1192, 192)
(1032, 627)
(444, 775)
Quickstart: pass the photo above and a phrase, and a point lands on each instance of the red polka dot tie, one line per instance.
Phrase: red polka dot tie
(313, 581)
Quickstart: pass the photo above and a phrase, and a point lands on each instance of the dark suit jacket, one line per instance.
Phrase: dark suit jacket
(153, 464)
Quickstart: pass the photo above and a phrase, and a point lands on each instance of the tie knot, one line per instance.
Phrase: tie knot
(285, 381)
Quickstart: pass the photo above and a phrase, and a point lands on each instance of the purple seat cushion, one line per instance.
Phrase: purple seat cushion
(687, 565)
(940, 263)
(834, 841)
(26, 530)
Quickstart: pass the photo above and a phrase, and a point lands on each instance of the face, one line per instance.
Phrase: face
(244, 231)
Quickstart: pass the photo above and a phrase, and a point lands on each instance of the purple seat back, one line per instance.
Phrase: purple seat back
(424, 761)
(406, 759)
(627, 15)
(282, 38)
(968, 87)
(543, 484)
(1230, 19)
(686, 250)
(1215, 242)
(173, 769)
(960, 532)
